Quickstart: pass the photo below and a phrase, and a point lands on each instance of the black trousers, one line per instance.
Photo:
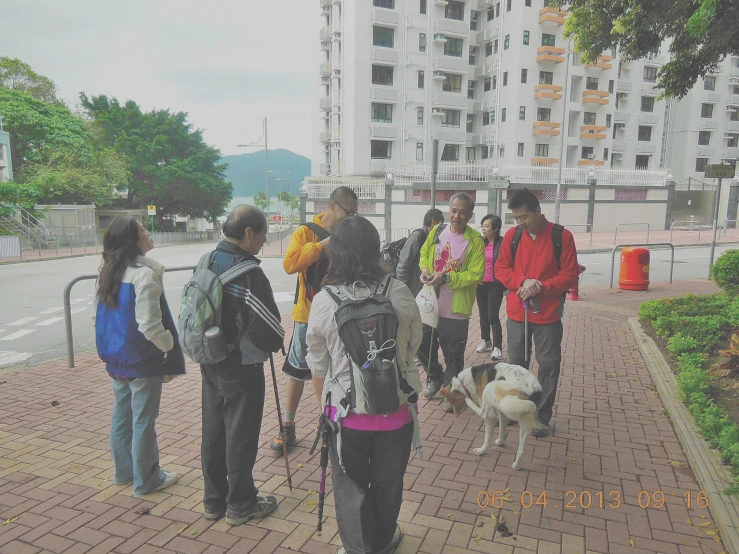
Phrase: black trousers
(233, 401)
(453, 340)
(430, 344)
(489, 298)
(368, 496)
(548, 341)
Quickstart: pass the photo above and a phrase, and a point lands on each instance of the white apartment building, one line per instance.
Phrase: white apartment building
(498, 84)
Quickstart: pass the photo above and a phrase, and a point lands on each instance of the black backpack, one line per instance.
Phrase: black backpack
(313, 276)
(391, 252)
(556, 241)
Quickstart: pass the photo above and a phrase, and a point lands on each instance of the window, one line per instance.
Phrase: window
(495, 46)
(732, 140)
(470, 153)
(704, 138)
(645, 133)
(527, 3)
(453, 47)
(471, 90)
(420, 79)
(450, 153)
(605, 154)
(587, 153)
(519, 153)
(608, 120)
(450, 118)
(735, 89)
(382, 113)
(486, 85)
(454, 10)
(541, 150)
(451, 83)
(522, 113)
(548, 40)
(508, 5)
(419, 116)
(588, 118)
(474, 18)
(734, 115)
(505, 78)
(484, 153)
(524, 75)
(488, 49)
(422, 42)
(492, 117)
(642, 162)
(543, 114)
(473, 55)
(591, 83)
(610, 85)
(381, 149)
(526, 38)
(422, 6)
(709, 83)
(382, 75)
(502, 115)
(497, 12)
(507, 42)
(650, 75)
(485, 119)
(501, 151)
(491, 13)
(495, 82)
(383, 36)
(419, 151)
(700, 164)
(647, 103)
(389, 4)
(546, 77)
(707, 111)
(470, 123)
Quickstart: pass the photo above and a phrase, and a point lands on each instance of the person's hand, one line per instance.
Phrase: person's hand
(425, 276)
(532, 287)
(437, 279)
(524, 294)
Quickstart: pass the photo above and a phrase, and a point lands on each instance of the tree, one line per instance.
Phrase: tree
(291, 201)
(17, 75)
(13, 194)
(700, 34)
(260, 201)
(170, 165)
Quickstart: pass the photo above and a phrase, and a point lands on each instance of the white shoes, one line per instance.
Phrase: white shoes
(497, 354)
(484, 346)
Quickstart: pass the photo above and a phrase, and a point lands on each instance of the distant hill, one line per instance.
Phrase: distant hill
(246, 171)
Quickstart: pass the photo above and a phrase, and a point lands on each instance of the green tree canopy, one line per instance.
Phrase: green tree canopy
(700, 34)
(170, 165)
(17, 75)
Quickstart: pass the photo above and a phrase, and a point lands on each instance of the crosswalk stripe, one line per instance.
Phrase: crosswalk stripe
(22, 321)
(49, 321)
(77, 300)
(10, 358)
(79, 309)
(51, 310)
(19, 334)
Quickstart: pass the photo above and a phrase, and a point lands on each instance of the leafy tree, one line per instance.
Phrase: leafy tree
(17, 75)
(260, 201)
(14, 194)
(700, 33)
(170, 165)
(291, 201)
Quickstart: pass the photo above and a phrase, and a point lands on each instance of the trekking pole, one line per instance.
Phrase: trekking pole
(325, 430)
(282, 427)
(526, 331)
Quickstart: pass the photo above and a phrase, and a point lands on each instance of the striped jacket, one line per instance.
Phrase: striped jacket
(250, 317)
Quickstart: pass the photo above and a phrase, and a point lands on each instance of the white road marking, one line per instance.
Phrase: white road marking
(77, 300)
(78, 309)
(49, 321)
(284, 296)
(10, 358)
(22, 321)
(19, 334)
(52, 310)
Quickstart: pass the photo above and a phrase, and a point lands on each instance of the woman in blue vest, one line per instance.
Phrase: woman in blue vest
(137, 339)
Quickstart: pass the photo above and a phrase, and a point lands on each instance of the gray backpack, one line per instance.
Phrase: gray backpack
(199, 324)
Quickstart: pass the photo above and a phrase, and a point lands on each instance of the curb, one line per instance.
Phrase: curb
(706, 465)
(677, 247)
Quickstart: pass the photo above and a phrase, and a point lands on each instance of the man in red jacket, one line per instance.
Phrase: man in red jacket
(533, 273)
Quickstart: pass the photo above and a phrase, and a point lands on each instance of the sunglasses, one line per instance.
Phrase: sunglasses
(348, 213)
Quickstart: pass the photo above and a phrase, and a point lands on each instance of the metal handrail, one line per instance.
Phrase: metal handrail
(68, 307)
(649, 228)
(692, 224)
(582, 225)
(724, 227)
(672, 257)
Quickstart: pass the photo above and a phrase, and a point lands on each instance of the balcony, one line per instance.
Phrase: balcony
(326, 68)
(731, 126)
(551, 92)
(713, 97)
(386, 17)
(552, 15)
(706, 151)
(621, 116)
(449, 100)
(439, 38)
(590, 161)
(548, 128)
(618, 146)
(451, 136)
(543, 161)
(452, 27)
(325, 136)
(599, 97)
(708, 124)
(336, 30)
(730, 152)
(387, 56)
(326, 33)
(325, 45)
(383, 93)
(732, 100)
(383, 131)
(645, 148)
(490, 34)
(324, 169)
(623, 86)
(601, 63)
(648, 119)
(593, 132)
(550, 54)
(325, 104)
(450, 63)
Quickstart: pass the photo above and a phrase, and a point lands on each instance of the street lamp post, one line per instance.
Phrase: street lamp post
(565, 100)
(266, 158)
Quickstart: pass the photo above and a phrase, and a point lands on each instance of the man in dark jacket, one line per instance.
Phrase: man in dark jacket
(535, 275)
(233, 390)
(409, 272)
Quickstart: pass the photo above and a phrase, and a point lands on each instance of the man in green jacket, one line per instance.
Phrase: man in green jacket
(453, 261)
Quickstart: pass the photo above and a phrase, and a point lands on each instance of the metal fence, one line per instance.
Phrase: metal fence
(10, 246)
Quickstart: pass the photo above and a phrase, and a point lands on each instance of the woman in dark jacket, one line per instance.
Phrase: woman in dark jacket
(490, 291)
(137, 339)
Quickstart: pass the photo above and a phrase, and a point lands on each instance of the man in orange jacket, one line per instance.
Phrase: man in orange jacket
(305, 250)
(540, 272)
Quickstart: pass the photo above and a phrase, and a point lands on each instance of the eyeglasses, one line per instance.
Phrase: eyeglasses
(348, 213)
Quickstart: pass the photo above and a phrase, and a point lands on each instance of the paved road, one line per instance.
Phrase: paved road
(32, 318)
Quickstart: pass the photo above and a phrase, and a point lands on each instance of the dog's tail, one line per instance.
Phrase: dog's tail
(523, 411)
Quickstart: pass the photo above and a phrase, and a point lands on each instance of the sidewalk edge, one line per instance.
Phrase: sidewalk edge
(706, 465)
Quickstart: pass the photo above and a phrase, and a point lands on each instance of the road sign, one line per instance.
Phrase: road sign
(720, 171)
(151, 210)
(277, 218)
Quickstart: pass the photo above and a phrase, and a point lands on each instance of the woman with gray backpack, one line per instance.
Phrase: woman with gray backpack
(363, 331)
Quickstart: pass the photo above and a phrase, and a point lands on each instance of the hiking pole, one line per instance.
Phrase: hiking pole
(326, 428)
(282, 427)
(526, 331)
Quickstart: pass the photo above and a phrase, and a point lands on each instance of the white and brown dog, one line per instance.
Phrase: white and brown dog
(499, 391)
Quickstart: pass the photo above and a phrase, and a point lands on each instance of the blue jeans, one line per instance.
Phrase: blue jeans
(133, 438)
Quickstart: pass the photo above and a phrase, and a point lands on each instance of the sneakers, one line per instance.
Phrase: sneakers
(497, 354)
(484, 346)
(290, 436)
(540, 429)
(170, 478)
(448, 408)
(214, 512)
(433, 386)
(263, 507)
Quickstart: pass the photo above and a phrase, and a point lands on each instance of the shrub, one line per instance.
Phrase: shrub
(734, 312)
(680, 344)
(725, 272)
(688, 305)
(706, 330)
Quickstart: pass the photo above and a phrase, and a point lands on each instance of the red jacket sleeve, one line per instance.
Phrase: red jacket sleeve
(569, 271)
(504, 270)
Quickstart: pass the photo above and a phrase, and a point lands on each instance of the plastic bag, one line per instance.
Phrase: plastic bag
(428, 305)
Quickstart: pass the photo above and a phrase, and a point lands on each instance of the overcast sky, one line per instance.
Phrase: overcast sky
(228, 63)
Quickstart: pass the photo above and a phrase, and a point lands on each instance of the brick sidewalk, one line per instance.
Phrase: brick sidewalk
(611, 435)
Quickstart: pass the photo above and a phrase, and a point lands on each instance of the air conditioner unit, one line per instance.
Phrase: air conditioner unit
(591, 156)
(474, 16)
(439, 37)
(620, 125)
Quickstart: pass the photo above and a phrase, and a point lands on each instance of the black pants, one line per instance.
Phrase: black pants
(489, 298)
(548, 341)
(453, 340)
(368, 496)
(430, 343)
(233, 400)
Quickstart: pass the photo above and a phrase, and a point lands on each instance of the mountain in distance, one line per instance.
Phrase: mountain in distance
(246, 172)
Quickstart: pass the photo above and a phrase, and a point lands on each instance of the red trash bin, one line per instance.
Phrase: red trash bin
(634, 271)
